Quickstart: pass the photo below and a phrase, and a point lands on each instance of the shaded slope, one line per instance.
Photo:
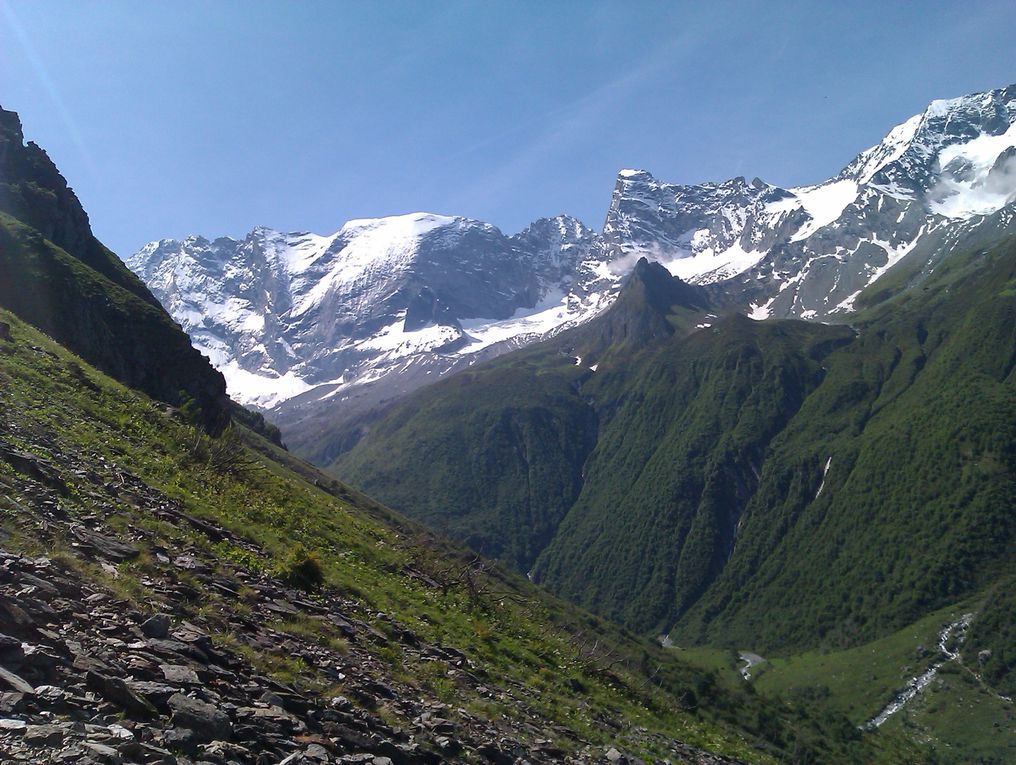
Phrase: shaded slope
(125, 336)
(676, 464)
(492, 457)
(57, 276)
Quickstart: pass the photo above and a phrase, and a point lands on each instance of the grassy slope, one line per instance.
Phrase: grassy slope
(505, 498)
(673, 463)
(522, 637)
(858, 681)
(959, 717)
(993, 637)
(962, 719)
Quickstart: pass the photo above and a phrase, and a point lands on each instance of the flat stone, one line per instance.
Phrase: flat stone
(44, 735)
(15, 683)
(11, 724)
(49, 694)
(183, 739)
(35, 581)
(206, 720)
(103, 752)
(105, 546)
(116, 691)
(154, 755)
(157, 693)
(495, 756)
(11, 652)
(13, 614)
(317, 752)
(40, 469)
(39, 658)
(180, 674)
(71, 754)
(10, 702)
(120, 732)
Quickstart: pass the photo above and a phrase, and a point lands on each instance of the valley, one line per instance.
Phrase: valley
(682, 469)
(729, 479)
(176, 587)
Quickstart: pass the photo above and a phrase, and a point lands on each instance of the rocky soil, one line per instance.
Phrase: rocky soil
(185, 660)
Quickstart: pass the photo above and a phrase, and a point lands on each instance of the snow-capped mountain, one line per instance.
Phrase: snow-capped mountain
(808, 252)
(280, 314)
(387, 304)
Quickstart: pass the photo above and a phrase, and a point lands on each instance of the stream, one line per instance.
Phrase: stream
(919, 683)
(750, 660)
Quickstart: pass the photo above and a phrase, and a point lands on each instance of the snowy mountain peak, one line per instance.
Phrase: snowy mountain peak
(631, 174)
(408, 226)
(943, 157)
(280, 313)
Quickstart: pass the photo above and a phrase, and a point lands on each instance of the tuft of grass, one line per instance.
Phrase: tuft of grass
(302, 569)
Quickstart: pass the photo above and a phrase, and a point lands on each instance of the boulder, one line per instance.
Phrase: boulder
(207, 721)
(117, 692)
(156, 627)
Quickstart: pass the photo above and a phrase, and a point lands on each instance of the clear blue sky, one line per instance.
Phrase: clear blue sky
(170, 118)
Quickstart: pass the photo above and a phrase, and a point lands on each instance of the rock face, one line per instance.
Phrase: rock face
(808, 252)
(326, 328)
(33, 191)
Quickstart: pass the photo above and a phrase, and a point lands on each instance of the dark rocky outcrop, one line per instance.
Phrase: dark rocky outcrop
(57, 276)
(33, 191)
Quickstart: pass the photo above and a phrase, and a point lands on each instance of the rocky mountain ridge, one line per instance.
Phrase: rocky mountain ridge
(56, 275)
(281, 314)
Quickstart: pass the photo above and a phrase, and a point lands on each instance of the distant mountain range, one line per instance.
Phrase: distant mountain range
(385, 305)
(281, 314)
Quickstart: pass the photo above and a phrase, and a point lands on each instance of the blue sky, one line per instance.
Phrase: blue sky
(171, 118)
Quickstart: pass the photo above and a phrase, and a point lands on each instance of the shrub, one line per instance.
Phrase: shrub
(302, 569)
